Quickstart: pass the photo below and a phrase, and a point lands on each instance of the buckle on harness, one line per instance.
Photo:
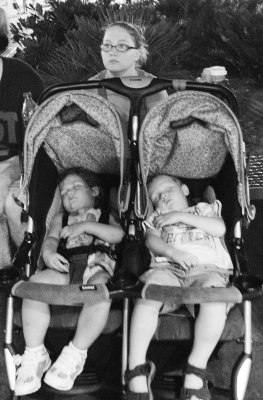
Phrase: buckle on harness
(24, 213)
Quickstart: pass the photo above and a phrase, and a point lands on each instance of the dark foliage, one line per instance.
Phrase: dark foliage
(63, 42)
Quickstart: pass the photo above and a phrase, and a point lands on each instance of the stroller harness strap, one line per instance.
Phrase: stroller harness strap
(85, 250)
(88, 250)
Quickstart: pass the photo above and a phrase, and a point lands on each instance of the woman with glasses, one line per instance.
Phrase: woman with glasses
(124, 50)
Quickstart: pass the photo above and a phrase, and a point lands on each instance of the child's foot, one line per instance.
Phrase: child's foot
(138, 384)
(65, 370)
(195, 384)
(34, 363)
(192, 381)
(139, 380)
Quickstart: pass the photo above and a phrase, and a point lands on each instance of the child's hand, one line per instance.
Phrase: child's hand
(167, 219)
(71, 231)
(58, 262)
(186, 260)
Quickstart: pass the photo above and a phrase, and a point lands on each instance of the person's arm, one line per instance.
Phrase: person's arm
(51, 258)
(162, 249)
(156, 244)
(111, 233)
(212, 224)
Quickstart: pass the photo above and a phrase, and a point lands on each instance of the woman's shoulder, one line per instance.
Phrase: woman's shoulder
(18, 65)
(144, 74)
(99, 76)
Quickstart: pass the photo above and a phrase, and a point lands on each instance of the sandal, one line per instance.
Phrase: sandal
(202, 393)
(148, 369)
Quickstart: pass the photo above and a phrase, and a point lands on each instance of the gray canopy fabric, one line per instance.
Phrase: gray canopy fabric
(189, 135)
(76, 128)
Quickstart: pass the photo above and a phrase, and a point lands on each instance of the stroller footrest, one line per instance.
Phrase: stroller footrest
(189, 295)
(61, 294)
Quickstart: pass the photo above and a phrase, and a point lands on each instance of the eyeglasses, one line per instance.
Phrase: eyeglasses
(121, 47)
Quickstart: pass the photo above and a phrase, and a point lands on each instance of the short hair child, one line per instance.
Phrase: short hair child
(187, 251)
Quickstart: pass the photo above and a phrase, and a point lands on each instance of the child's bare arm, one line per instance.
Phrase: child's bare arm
(50, 256)
(160, 248)
(156, 244)
(111, 233)
(213, 225)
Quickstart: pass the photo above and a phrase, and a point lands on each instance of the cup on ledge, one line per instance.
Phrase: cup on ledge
(214, 74)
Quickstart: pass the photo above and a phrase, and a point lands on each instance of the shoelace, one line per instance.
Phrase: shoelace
(17, 359)
(25, 361)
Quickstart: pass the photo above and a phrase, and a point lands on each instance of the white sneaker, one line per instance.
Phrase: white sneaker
(33, 365)
(65, 370)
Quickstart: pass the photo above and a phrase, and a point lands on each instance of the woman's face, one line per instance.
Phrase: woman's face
(76, 194)
(119, 64)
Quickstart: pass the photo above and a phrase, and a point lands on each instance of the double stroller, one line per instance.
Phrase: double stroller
(194, 134)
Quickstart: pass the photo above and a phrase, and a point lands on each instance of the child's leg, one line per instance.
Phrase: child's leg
(209, 326)
(143, 325)
(35, 314)
(36, 317)
(71, 361)
(92, 318)
(208, 329)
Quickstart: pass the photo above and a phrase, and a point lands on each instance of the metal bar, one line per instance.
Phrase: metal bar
(125, 338)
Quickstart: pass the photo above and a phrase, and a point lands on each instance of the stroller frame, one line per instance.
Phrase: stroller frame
(123, 287)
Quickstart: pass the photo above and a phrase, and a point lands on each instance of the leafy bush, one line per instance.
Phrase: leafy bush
(221, 32)
(78, 58)
(43, 32)
(63, 42)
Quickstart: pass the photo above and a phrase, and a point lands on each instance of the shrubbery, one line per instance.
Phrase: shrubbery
(63, 42)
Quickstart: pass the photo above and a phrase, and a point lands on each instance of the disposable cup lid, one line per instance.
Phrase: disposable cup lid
(217, 70)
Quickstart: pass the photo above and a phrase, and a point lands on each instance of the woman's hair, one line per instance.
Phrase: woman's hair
(3, 30)
(89, 178)
(137, 33)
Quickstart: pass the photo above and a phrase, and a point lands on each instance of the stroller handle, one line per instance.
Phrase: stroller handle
(136, 88)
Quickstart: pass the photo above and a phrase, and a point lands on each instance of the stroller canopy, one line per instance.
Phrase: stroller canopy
(76, 128)
(189, 136)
